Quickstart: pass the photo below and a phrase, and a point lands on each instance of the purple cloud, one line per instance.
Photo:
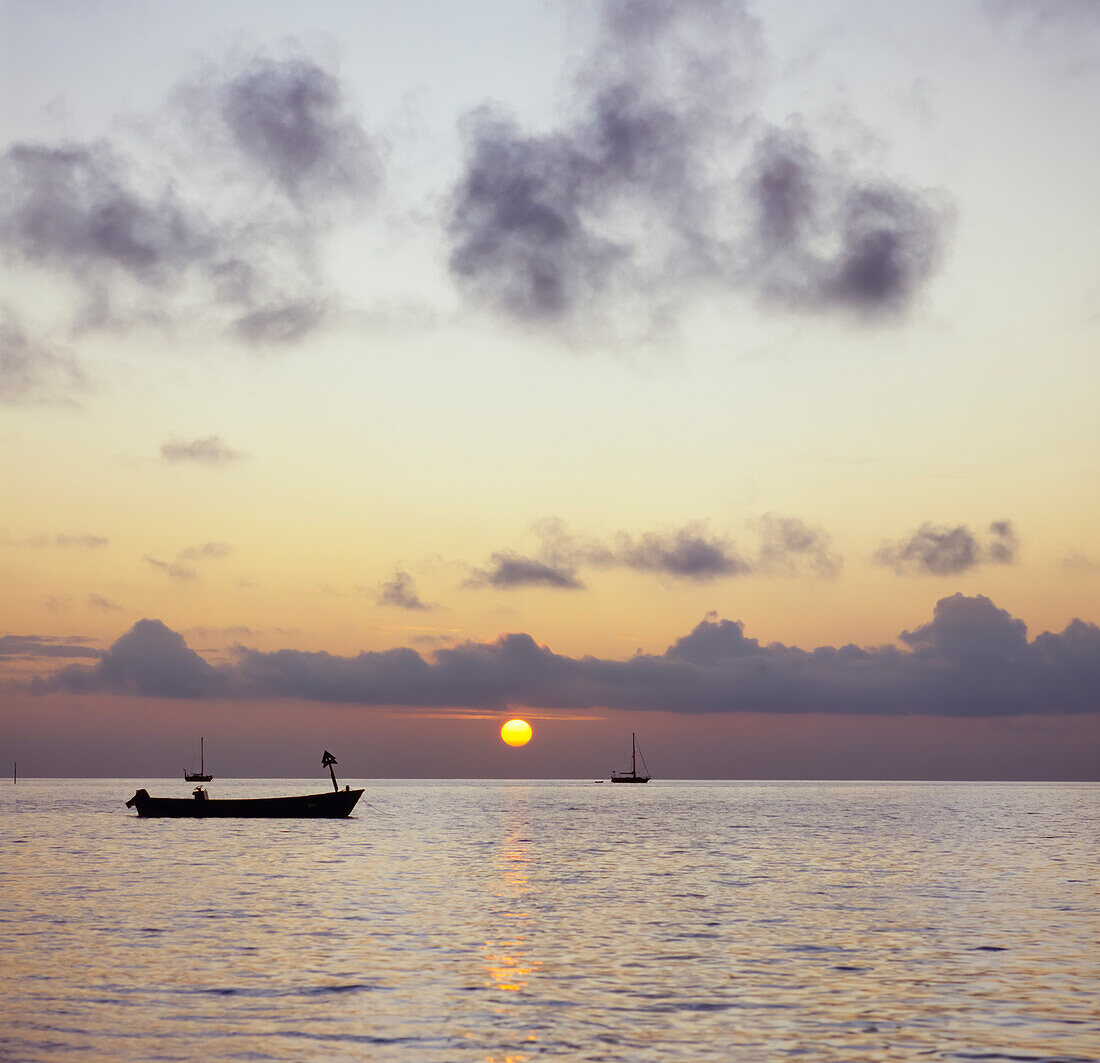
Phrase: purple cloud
(945, 551)
(401, 592)
(971, 659)
(660, 120)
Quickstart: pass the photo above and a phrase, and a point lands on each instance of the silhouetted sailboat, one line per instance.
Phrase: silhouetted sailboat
(200, 775)
(622, 776)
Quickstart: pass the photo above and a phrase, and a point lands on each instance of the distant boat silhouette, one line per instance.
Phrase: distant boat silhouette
(335, 805)
(200, 775)
(622, 776)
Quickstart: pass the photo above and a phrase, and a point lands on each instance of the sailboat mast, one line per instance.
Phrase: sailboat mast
(633, 754)
(202, 756)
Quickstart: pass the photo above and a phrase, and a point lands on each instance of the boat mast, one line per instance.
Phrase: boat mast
(633, 754)
(327, 761)
(202, 756)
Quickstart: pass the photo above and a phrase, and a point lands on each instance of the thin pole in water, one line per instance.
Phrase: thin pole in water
(15, 772)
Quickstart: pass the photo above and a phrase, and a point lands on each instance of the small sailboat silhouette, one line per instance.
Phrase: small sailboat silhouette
(633, 776)
(200, 775)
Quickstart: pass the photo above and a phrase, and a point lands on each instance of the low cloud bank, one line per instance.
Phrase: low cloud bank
(971, 659)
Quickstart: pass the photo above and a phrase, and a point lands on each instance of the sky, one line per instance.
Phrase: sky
(722, 372)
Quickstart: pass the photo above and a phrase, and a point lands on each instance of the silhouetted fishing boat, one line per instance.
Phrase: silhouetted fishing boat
(200, 775)
(622, 776)
(200, 805)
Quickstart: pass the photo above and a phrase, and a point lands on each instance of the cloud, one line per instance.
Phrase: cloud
(507, 570)
(970, 659)
(1078, 562)
(944, 551)
(208, 451)
(1066, 31)
(27, 646)
(281, 322)
(77, 207)
(97, 601)
(35, 372)
(685, 553)
(630, 205)
(401, 592)
(789, 546)
(206, 551)
(92, 542)
(822, 236)
(149, 659)
(291, 121)
(246, 171)
(238, 631)
(545, 228)
(183, 573)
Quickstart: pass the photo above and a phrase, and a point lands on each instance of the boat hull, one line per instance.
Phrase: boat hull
(629, 778)
(335, 805)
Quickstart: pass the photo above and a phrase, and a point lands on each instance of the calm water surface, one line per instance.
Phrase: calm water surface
(498, 921)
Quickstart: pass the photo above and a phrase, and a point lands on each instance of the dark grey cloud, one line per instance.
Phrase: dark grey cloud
(268, 158)
(149, 659)
(944, 551)
(822, 236)
(32, 371)
(27, 646)
(545, 227)
(1002, 544)
(401, 592)
(519, 241)
(690, 552)
(788, 546)
(78, 207)
(507, 570)
(209, 450)
(128, 243)
(292, 121)
(631, 200)
(970, 659)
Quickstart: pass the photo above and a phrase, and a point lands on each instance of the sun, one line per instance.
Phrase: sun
(516, 732)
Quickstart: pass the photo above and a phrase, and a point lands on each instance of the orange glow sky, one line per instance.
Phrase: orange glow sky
(384, 375)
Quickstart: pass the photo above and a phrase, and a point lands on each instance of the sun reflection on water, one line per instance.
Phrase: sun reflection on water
(507, 960)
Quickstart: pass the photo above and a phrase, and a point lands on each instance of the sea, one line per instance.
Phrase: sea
(509, 921)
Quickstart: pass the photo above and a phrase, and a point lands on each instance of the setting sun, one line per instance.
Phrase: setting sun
(516, 732)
